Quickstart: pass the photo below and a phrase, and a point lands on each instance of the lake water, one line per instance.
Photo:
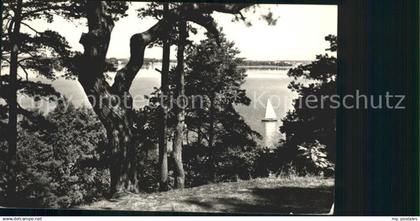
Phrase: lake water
(260, 86)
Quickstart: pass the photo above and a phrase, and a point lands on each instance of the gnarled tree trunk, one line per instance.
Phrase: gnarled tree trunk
(123, 168)
(113, 103)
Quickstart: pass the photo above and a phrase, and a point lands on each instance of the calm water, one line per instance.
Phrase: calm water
(260, 85)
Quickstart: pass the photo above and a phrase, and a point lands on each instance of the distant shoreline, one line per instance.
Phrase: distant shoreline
(251, 64)
(266, 67)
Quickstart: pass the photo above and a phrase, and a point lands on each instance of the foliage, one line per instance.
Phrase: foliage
(313, 159)
(148, 171)
(61, 160)
(311, 127)
(226, 142)
(3, 166)
(231, 164)
(213, 73)
(155, 10)
(42, 51)
(219, 145)
(146, 124)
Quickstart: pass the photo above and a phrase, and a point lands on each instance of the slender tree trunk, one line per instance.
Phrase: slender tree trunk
(211, 140)
(211, 127)
(12, 141)
(163, 149)
(187, 137)
(179, 108)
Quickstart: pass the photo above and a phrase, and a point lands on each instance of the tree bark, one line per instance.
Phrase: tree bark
(211, 140)
(123, 158)
(113, 105)
(163, 150)
(12, 138)
(211, 121)
(180, 108)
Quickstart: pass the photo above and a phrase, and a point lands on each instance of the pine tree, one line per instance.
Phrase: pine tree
(25, 50)
(308, 126)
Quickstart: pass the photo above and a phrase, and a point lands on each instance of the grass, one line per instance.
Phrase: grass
(281, 195)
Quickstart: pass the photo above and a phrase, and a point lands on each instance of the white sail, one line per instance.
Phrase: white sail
(269, 111)
(270, 133)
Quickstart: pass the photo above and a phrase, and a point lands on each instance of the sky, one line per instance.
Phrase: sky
(298, 34)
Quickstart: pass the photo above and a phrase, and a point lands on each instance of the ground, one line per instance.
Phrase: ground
(285, 195)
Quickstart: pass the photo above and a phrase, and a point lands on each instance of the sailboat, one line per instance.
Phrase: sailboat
(270, 115)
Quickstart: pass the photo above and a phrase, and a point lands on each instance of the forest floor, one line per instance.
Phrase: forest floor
(285, 195)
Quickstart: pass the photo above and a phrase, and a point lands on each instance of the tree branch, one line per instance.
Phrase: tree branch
(219, 7)
(33, 116)
(138, 43)
(10, 28)
(23, 68)
(95, 42)
(205, 21)
(197, 13)
(33, 29)
(49, 8)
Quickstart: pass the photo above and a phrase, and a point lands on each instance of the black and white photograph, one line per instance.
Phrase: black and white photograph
(195, 107)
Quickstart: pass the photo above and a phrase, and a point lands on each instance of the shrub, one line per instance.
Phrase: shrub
(60, 160)
(230, 163)
(312, 158)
